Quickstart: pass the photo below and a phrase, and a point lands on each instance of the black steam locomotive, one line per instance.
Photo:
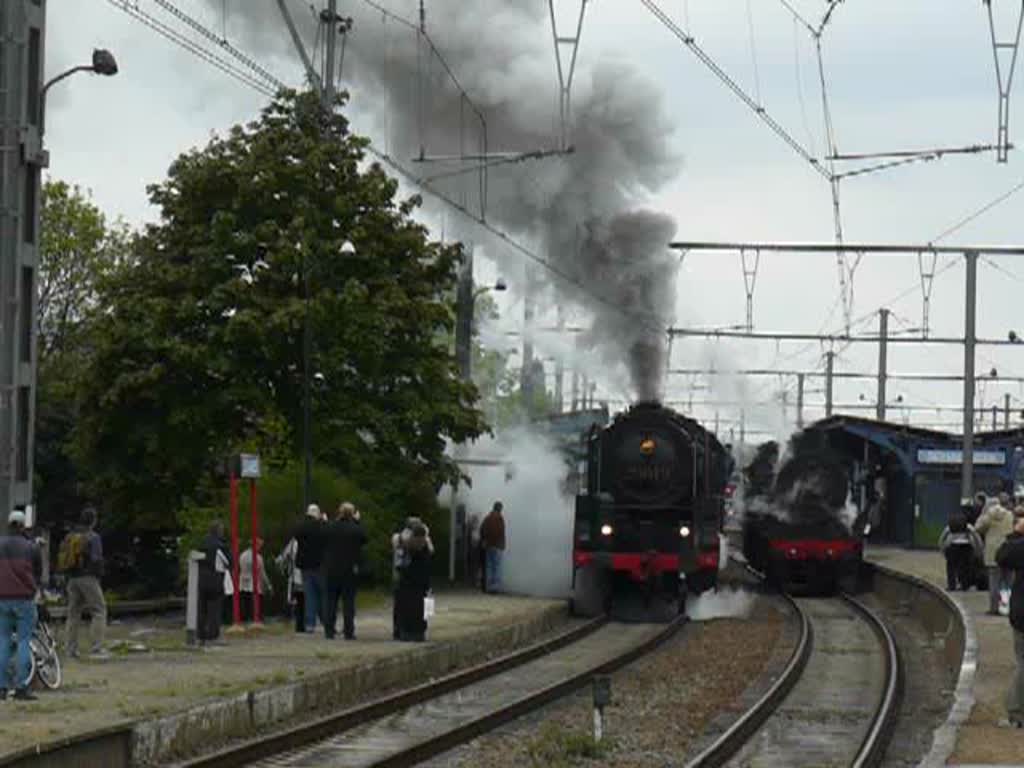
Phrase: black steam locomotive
(649, 516)
(796, 527)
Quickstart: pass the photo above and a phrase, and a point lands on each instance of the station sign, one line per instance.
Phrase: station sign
(955, 457)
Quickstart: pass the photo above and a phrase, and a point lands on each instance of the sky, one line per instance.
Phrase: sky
(913, 74)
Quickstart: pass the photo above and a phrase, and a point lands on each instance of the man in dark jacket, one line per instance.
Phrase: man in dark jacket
(345, 542)
(492, 536)
(85, 592)
(311, 540)
(213, 569)
(1011, 556)
(21, 568)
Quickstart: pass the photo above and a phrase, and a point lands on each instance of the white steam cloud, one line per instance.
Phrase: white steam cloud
(720, 604)
(538, 515)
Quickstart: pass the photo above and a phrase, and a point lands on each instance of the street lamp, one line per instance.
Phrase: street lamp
(347, 250)
(103, 63)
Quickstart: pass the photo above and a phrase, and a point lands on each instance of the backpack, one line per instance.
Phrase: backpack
(73, 553)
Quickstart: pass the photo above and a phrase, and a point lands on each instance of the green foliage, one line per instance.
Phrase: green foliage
(197, 351)
(277, 493)
(79, 248)
(555, 747)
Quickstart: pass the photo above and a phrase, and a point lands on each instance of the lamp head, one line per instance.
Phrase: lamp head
(347, 249)
(500, 285)
(103, 62)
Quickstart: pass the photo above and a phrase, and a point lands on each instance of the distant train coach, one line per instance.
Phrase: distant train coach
(649, 514)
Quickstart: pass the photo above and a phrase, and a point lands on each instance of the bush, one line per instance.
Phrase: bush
(279, 495)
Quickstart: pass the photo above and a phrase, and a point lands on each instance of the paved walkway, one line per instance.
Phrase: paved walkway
(979, 741)
(161, 675)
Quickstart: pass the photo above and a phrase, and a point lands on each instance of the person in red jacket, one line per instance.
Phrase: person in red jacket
(492, 537)
(21, 568)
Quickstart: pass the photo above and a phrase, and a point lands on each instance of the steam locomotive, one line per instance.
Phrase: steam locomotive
(650, 513)
(796, 526)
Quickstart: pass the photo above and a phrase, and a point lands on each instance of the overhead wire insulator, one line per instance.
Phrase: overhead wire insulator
(1004, 52)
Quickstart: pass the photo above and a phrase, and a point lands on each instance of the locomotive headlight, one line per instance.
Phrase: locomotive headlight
(684, 531)
(647, 446)
(606, 530)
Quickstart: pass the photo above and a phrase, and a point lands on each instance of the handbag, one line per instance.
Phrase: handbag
(428, 608)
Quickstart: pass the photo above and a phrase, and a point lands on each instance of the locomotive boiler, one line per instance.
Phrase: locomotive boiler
(797, 529)
(649, 514)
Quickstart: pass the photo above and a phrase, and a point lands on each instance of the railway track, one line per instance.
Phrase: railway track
(835, 703)
(412, 726)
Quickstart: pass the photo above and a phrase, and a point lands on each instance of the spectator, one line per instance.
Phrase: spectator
(492, 535)
(341, 566)
(1011, 557)
(995, 524)
(214, 576)
(980, 502)
(414, 581)
(81, 558)
(399, 560)
(21, 569)
(959, 544)
(294, 594)
(245, 582)
(311, 538)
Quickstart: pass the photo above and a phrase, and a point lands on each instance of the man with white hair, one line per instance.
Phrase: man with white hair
(311, 541)
(21, 568)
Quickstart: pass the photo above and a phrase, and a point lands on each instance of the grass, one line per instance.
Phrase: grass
(555, 747)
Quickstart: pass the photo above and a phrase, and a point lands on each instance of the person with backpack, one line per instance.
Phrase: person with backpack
(81, 560)
(21, 567)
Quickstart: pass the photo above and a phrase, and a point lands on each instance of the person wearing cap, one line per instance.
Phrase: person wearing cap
(21, 568)
(311, 541)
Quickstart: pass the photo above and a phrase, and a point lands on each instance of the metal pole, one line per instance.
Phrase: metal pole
(995, 418)
(307, 354)
(332, 39)
(743, 427)
(1006, 410)
(883, 343)
(799, 401)
(970, 308)
(257, 609)
(829, 364)
(464, 306)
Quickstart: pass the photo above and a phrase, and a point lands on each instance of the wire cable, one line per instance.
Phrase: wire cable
(978, 213)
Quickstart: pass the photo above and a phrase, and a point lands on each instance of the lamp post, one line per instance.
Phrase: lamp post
(103, 63)
(347, 251)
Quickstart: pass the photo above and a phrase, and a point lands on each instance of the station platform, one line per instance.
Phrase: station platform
(978, 740)
(158, 699)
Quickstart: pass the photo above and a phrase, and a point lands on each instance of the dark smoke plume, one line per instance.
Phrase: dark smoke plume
(583, 212)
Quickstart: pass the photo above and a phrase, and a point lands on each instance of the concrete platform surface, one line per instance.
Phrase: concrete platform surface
(979, 741)
(153, 675)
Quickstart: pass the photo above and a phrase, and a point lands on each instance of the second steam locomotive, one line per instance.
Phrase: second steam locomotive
(649, 517)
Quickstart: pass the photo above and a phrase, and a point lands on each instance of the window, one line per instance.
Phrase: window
(23, 458)
(27, 308)
(34, 60)
(31, 199)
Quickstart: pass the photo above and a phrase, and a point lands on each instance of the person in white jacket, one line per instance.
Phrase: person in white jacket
(245, 582)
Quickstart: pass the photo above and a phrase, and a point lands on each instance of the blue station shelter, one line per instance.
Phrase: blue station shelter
(908, 478)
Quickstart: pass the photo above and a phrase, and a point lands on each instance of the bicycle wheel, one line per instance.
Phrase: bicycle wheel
(46, 664)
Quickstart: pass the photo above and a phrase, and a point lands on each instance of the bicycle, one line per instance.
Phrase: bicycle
(44, 665)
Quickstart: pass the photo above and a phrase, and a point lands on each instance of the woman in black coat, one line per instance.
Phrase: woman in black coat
(414, 582)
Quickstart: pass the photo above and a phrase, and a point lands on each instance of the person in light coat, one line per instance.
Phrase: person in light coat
(245, 588)
(995, 524)
(295, 596)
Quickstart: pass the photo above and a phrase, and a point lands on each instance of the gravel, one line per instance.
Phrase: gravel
(660, 704)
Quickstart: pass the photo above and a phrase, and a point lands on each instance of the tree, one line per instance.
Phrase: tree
(195, 349)
(78, 248)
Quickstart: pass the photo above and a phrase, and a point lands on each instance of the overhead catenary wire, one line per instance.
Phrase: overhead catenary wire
(263, 85)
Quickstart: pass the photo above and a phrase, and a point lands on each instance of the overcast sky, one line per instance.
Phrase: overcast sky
(901, 75)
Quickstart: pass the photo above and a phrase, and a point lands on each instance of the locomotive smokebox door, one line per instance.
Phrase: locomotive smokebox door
(602, 691)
